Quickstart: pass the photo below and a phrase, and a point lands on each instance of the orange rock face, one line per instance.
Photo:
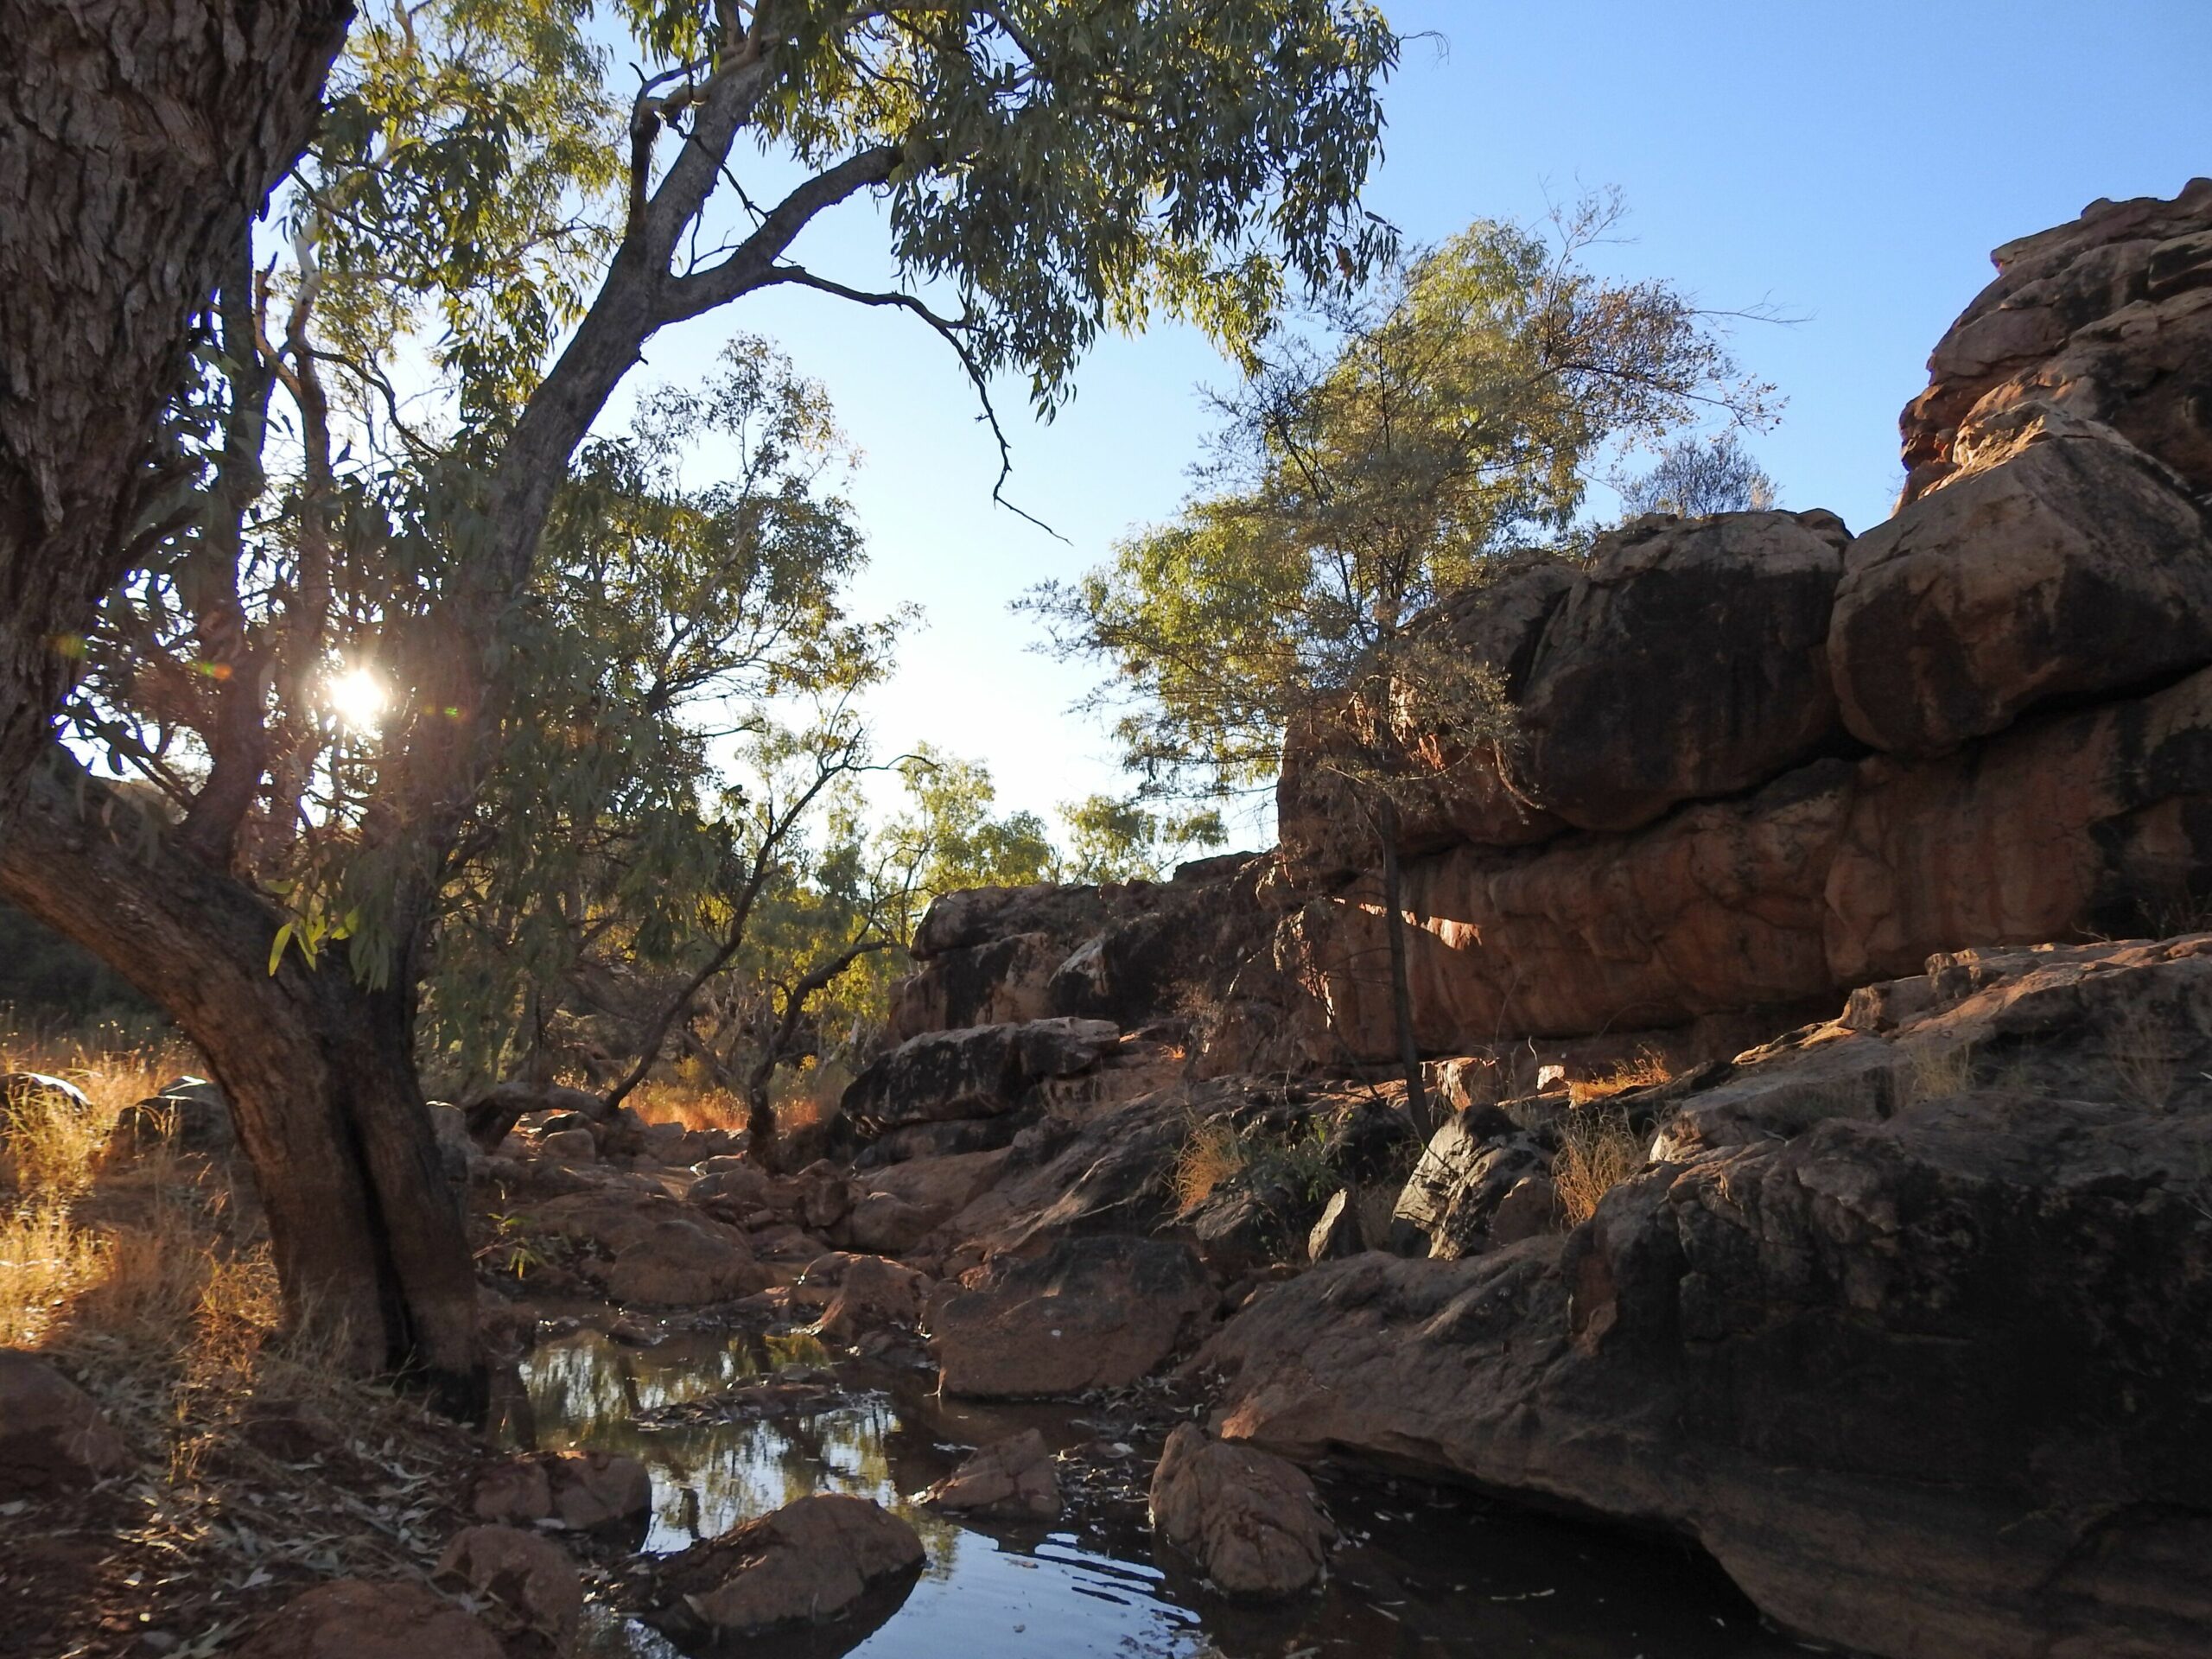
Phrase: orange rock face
(2109, 316)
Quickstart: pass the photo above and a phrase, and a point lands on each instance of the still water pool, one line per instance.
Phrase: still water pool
(1425, 1572)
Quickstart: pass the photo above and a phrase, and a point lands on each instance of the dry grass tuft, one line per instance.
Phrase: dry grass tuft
(1597, 1150)
(803, 1097)
(1211, 1153)
(1641, 1073)
(2144, 1060)
(696, 1106)
(149, 1278)
(1939, 1069)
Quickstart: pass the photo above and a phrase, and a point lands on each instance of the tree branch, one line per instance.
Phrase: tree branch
(952, 333)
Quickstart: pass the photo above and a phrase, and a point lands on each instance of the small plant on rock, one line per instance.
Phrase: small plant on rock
(1599, 1148)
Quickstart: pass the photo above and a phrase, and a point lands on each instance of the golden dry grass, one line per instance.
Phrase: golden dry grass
(696, 1106)
(147, 1276)
(1597, 1150)
(1938, 1067)
(1211, 1154)
(1646, 1069)
(803, 1097)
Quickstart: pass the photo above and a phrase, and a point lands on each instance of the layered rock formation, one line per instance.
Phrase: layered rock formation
(1900, 1314)
(1762, 761)
(2109, 317)
(1906, 1325)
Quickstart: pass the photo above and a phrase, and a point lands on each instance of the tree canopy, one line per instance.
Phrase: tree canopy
(428, 662)
(1451, 412)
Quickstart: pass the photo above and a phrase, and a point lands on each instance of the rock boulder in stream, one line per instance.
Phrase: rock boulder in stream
(1251, 1518)
(1016, 1479)
(524, 1583)
(808, 1563)
(587, 1491)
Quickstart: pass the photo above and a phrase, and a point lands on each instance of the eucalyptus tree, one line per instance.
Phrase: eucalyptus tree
(1697, 476)
(483, 209)
(1117, 839)
(1370, 463)
(136, 141)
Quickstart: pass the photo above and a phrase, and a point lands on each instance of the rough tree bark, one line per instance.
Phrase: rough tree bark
(136, 139)
(366, 1233)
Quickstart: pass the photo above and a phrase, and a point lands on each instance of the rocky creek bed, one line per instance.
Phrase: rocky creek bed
(1418, 1569)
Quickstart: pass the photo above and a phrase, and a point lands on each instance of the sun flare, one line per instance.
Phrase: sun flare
(359, 698)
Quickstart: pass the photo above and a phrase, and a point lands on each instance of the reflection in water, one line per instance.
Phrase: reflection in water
(1422, 1575)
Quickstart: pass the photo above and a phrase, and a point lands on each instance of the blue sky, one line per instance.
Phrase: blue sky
(1851, 163)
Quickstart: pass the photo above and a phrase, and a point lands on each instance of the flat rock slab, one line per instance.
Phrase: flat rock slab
(808, 1563)
(1091, 1313)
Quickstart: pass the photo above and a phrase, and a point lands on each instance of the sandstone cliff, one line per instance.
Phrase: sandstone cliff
(1897, 1304)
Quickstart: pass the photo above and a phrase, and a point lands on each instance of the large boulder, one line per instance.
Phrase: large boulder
(1720, 906)
(1090, 1313)
(1133, 953)
(1477, 1159)
(652, 1251)
(872, 1294)
(2058, 562)
(1922, 1373)
(357, 1619)
(1444, 792)
(1250, 1519)
(2109, 316)
(53, 1436)
(2092, 821)
(809, 1562)
(982, 1071)
(1686, 664)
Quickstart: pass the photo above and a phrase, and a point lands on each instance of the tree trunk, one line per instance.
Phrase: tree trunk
(1401, 1000)
(366, 1232)
(136, 139)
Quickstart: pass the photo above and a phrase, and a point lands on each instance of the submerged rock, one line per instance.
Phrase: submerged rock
(1252, 1519)
(1017, 1479)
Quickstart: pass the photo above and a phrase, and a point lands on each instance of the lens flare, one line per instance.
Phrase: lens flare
(359, 698)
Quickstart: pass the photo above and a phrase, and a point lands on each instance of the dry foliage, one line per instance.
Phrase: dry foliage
(2144, 1060)
(696, 1106)
(1939, 1068)
(803, 1097)
(1646, 1069)
(147, 1276)
(1211, 1153)
(1597, 1150)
